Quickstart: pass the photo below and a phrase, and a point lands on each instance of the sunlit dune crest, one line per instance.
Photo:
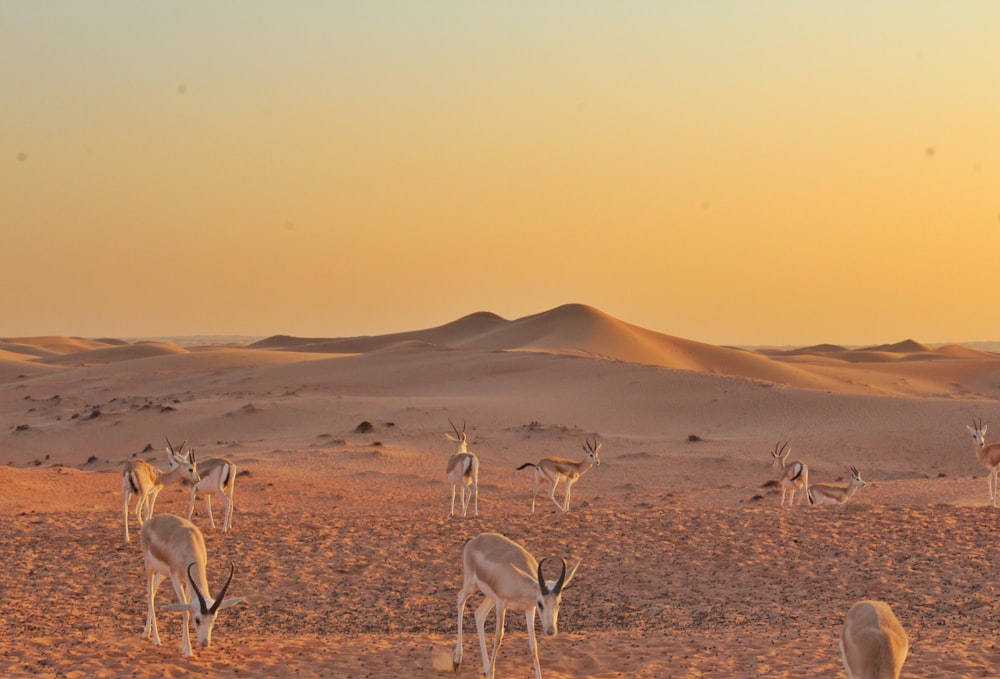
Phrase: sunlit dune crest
(114, 354)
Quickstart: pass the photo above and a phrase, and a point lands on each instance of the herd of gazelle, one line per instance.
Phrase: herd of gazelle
(174, 547)
(794, 478)
(873, 643)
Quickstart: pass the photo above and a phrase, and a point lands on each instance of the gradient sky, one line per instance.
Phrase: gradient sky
(728, 172)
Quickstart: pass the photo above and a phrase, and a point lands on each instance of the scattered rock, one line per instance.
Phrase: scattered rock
(364, 427)
(92, 459)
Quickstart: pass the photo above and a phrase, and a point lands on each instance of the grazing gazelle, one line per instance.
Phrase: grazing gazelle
(173, 546)
(873, 644)
(989, 456)
(794, 477)
(146, 481)
(828, 494)
(463, 472)
(554, 469)
(510, 578)
(218, 477)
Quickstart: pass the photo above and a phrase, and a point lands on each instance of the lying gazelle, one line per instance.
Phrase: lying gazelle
(510, 578)
(218, 477)
(828, 494)
(989, 456)
(794, 477)
(554, 469)
(146, 481)
(463, 472)
(873, 644)
(173, 546)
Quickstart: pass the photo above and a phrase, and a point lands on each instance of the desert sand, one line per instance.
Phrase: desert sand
(343, 541)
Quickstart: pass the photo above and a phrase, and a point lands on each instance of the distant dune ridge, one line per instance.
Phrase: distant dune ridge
(344, 531)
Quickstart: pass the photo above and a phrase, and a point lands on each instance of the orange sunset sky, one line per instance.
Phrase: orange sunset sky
(729, 172)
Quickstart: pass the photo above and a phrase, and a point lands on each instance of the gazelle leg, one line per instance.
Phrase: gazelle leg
(453, 489)
(538, 484)
(463, 596)
(152, 584)
(127, 496)
(466, 498)
(475, 490)
(532, 641)
(497, 640)
(182, 597)
(481, 613)
(194, 497)
(227, 500)
(208, 503)
(552, 491)
(569, 486)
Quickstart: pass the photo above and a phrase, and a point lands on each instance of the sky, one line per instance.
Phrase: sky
(746, 173)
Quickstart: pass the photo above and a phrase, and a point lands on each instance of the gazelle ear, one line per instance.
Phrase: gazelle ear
(226, 603)
(451, 438)
(180, 607)
(570, 573)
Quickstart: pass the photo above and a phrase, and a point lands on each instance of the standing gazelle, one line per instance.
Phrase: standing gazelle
(828, 494)
(873, 644)
(989, 456)
(794, 477)
(554, 469)
(146, 481)
(218, 477)
(510, 578)
(463, 471)
(173, 546)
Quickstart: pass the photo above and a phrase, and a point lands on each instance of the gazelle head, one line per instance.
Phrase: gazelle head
(856, 477)
(779, 455)
(550, 594)
(459, 437)
(178, 458)
(203, 613)
(592, 450)
(978, 431)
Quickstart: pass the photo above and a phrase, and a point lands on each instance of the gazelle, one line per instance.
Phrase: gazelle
(794, 477)
(146, 481)
(510, 578)
(173, 546)
(554, 469)
(989, 456)
(463, 472)
(873, 644)
(828, 494)
(218, 477)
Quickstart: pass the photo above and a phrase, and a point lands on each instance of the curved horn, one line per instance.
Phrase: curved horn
(541, 578)
(201, 599)
(457, 433)
(556, 588)
(562, 576)
(170, 446)
(222, 592)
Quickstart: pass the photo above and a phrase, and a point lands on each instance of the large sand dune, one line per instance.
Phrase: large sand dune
(690, 567)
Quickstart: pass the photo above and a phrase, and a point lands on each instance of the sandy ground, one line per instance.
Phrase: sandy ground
(343, 541)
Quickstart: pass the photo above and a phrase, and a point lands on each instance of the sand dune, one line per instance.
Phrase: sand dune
(342, 534)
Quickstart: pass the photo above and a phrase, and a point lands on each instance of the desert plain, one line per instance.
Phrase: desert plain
(342, 538)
